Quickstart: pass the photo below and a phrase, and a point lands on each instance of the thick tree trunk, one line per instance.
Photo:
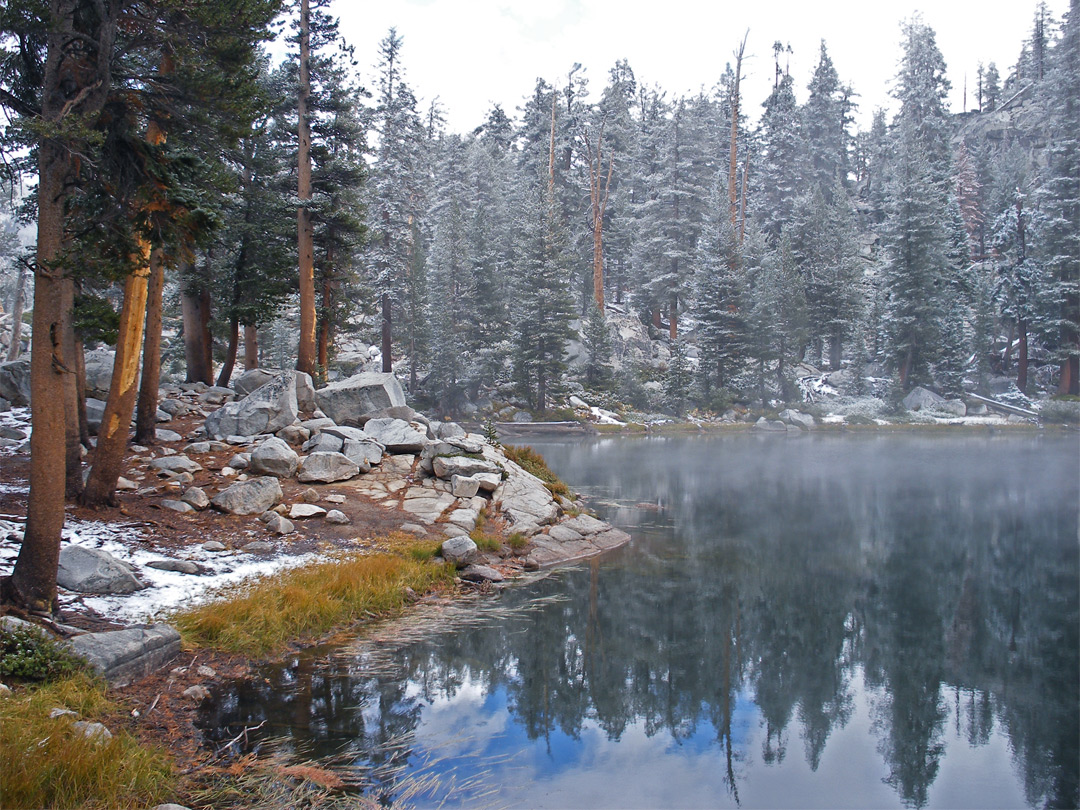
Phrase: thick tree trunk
(76, 82)
(146, 412)
(305, 356)
(116, 421)
(251, 347)
(33, 580)
(195, 310)
(225, 375)
(387, 326)
(17, 307)
(1070, 376)
(673, 318)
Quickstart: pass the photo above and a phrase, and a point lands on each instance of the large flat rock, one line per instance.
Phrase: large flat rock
(347, 401)
(124, 656)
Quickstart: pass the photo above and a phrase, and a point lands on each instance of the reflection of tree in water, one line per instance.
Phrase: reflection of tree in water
(949, 587)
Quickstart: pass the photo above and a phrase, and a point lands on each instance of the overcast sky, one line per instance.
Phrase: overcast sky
(473, 53)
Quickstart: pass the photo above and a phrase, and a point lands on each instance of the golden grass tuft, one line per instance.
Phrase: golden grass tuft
(532, 462)
(46, 763)
(264, 615)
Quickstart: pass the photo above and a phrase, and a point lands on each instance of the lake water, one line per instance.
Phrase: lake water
(828, 621)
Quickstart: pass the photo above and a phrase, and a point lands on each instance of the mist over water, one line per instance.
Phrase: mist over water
(842, 621)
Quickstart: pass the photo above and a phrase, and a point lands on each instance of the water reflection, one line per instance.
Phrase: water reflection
(840, 621)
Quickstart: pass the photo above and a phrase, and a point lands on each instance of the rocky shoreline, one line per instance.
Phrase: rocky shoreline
(268, 464)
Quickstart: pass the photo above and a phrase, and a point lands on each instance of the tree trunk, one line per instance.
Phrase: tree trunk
(305, 355)
(733, 207)
(1022, 357)
(905, 369)
(251, 347)
(146, 412)
(33, 580)
(1070, 376)
(195, 310)
(73, 482)
(75, 83)
(225, 375)
(324, 321)
(656, 318)
(836, 346)
(673, 318)
(387, 364)
(80, 389)
(115, 422)
(17, 307)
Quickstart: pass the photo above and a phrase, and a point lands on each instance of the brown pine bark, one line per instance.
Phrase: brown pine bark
(115, 422)
(76, 81)
(305, 356)
(251, 347)
(598, 200)
(73, 482)
(147, 406)
(195, 310)
(112, 440)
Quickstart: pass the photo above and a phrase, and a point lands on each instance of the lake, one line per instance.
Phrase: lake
(880, 620)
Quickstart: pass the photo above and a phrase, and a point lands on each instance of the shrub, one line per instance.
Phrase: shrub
(517, 541)
(29, 654)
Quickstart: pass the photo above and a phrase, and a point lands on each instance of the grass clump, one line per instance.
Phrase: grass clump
(30, 654)
(517, 541)
(263, 616)
(532, 462)
(484, 540)
(46, 762)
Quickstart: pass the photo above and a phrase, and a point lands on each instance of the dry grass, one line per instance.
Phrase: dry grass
(532, 462)
(45, 762)
(265, 615)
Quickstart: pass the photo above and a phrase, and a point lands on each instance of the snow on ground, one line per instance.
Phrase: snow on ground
(602, 417)
(166, 591)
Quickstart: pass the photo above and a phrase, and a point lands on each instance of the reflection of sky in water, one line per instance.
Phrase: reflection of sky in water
(472, 728)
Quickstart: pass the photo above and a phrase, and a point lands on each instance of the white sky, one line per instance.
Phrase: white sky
(473, 53)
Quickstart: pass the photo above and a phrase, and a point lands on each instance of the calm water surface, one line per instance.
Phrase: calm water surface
(832, 621)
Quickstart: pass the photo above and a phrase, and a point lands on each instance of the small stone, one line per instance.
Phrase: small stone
(279, 524)
(240, 461)
(459, 550)
(310, 495)
(198, 693)
(5, 690)
(196, 497)
(463, 486)
(179, 566)
(164, 435)
(229, 472)
(413, 528)
(177, 506)
(126, 485)
(302, 511)
(205, 672)
(481, 573)
(57, 713)
(258, 547)
(95, 732)
(338, 517)
(334, 498)
(213, 545)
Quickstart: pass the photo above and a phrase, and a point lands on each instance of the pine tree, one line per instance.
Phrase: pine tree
(678, 379)
(781, 153)
(916, 272)
(1059, 200)
(396, 200)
